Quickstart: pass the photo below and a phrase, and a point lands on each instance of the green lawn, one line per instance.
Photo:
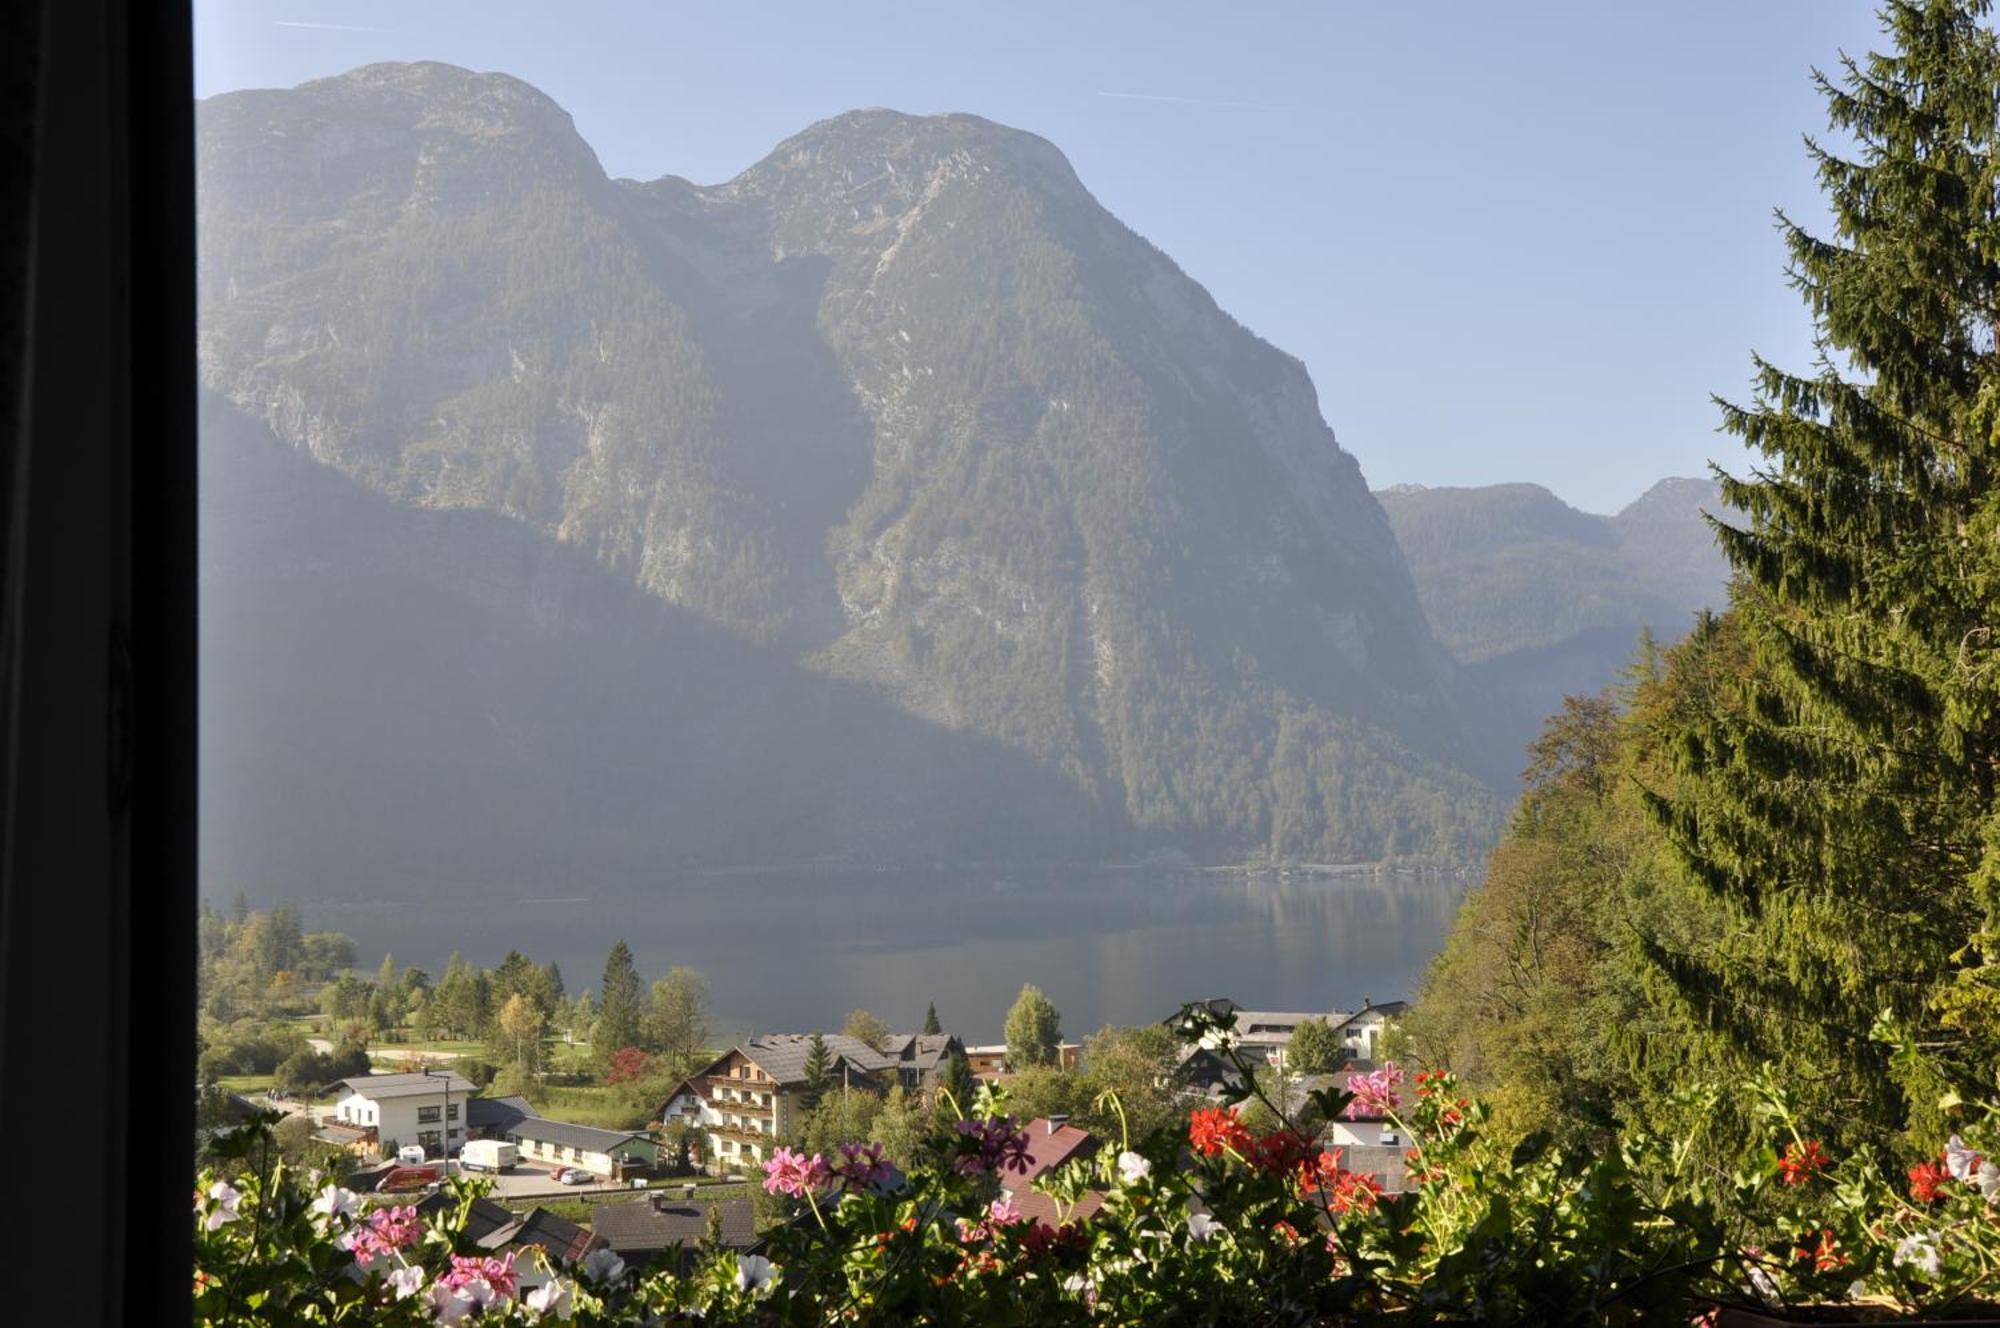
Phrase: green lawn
(244, 1083)
(459, 1047)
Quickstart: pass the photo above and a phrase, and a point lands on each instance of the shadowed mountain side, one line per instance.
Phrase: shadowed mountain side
(902, 404)
(446, 703)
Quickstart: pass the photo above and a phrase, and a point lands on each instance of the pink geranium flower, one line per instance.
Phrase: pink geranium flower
(1376, 1092)
(792, 1172)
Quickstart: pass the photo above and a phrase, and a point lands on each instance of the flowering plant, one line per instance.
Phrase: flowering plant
(1212, 1222)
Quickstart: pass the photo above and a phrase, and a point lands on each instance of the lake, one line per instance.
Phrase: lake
(794, 952)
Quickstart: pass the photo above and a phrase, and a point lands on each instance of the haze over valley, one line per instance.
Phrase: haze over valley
(891, 504)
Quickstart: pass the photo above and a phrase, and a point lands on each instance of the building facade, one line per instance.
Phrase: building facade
(397, 1110)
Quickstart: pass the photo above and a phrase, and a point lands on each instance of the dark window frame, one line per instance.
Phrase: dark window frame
(97, 644)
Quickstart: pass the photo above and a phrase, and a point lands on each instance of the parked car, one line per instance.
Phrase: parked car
(574, 1176)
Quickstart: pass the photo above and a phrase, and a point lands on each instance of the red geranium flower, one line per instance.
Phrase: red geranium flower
(1213, 1130)
(1280, 1152)
(1355, 1189)
(1927, 1181)
(1801, 1161)
(1825, 1256)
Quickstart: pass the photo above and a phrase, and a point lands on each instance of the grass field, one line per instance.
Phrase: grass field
(594, 1104)
(244, 1083)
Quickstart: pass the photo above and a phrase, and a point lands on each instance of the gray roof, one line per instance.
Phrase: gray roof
(587, 1137)
(783, 1055)
(659, 1222)
(484, 1218)
(493, 1226)
(1261, 1024)
(922, 1051)
(489, 1112)
(379, 1086)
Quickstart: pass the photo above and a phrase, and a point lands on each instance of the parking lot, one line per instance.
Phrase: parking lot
(531, 1180)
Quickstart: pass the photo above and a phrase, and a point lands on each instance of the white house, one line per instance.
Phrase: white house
(1363, 1030)
(396, 1110)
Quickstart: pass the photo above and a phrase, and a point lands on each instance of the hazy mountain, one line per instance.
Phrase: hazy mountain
(900, 416)
(1537, 599)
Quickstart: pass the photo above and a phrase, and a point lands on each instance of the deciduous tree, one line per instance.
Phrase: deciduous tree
(1033, 1030)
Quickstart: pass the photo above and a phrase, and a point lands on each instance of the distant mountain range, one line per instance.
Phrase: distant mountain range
(1536, 599)
(891, 502)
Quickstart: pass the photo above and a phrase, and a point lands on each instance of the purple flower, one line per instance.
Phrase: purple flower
(990, 1146)
(864, 1168)
(1002, 1212)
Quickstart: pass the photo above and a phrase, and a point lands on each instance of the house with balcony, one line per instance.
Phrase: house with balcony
(381, 1112)
(748, 1099)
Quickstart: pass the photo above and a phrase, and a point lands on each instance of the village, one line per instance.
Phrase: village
(688, 1180)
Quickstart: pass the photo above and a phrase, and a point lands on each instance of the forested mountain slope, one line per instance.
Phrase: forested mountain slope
(1538, 600)
(901, 407)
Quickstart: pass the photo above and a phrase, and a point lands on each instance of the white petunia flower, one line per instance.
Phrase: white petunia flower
(1988, 1179)
(755, 1274)
(1920, 1252)
(1960, 1161)
(227, 1199)
(1202, 1228)
(551, 1297)
(407, 1281)
(1132, 1168)
(335, 1202)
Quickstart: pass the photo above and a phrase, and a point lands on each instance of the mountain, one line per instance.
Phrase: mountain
(1536, 599)
(901, 416)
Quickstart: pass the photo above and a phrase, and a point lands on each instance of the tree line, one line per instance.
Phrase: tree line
(1776, 847)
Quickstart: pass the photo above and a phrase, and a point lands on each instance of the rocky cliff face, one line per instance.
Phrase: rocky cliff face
(901, 406)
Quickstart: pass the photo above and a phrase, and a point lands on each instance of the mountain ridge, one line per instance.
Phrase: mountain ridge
(910, 409)
(1537, 600)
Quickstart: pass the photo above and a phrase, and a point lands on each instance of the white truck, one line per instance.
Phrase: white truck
(494, 1155)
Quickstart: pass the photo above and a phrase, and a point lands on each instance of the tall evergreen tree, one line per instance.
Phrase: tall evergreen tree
(621, 1003)
(1842, 808)
(959, 1080)
(931, 1024)
(819, 1071)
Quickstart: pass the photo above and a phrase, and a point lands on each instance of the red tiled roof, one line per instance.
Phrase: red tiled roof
(1044, 1210)
(1048, 1149)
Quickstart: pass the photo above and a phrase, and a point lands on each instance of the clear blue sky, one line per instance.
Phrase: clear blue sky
(1511, 241)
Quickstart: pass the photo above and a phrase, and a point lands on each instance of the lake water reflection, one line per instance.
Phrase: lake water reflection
(797, 951)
